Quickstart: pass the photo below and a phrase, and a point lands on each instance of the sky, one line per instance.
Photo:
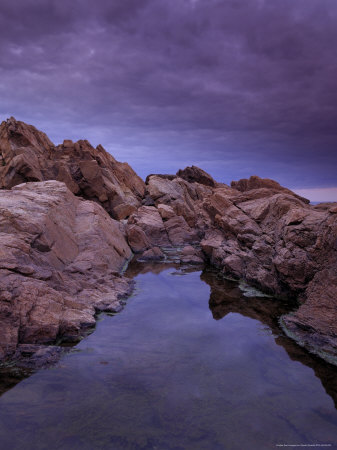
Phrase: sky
(236, 87)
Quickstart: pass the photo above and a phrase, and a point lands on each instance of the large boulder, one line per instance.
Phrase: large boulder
(148, 219)
(59, 263)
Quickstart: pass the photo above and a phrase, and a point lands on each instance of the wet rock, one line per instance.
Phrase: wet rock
(191, 255)
(153, 254)
(31, 356)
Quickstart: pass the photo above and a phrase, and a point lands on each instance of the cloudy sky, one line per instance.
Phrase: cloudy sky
(237, 87)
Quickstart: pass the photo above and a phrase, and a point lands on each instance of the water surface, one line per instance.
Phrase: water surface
(190, 363)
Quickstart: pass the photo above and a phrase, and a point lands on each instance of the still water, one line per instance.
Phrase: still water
(190, 363)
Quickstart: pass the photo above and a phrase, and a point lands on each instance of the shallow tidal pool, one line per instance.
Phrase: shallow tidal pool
(190, 363)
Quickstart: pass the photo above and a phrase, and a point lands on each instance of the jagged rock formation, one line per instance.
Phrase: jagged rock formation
(27, 154)
(268, 235)
(59, 263)
(254, 229)
(255, 182)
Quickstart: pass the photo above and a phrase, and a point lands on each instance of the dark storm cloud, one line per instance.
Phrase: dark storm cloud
(239, 87)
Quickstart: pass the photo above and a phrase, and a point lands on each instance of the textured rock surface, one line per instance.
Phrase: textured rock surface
(59, 263)
(27, 154)
(264, 233)
(59, 255)
(255, 182)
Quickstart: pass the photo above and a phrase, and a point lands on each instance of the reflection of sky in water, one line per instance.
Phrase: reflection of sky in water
(165, 374)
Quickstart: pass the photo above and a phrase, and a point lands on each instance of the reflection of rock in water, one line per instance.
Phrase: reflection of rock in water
(326, 372)
(137, 268)
(226, 298)
(10, 377)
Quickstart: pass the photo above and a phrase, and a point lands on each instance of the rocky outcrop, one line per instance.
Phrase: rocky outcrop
(313, 325)
(196, 175)
(264, 233)
(27, 154)
(255, 182)
(60, 255)
(59, 263)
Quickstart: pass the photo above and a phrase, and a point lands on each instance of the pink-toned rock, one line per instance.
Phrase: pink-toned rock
(59, 258)
(255, 182)
(28, 155)
(124, 210)
(179, 232)
(149, 220)
(137, 239)
(165, 211)
(196, 175)
(213, 241)
(153, 254)
(217, 203)
(190, 255)
(175, 193)
(61, 255)
(313, 325)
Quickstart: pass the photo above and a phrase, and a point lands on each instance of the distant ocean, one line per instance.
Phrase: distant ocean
(317, 203)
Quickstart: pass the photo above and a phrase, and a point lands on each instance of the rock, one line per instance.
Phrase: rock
(233, 264)
(179, 232)
(188, 250)
(255, 182)
(190, 255)
(123, 211)
(153, 254)
(165, 211)
(137, 239)
(313, 325)
(191, 259)
(149, 220)
(159, 187)
(32, 356)
(59, 256)
(28, 155)
(217, 203)
(175, 193)
(196, 175)
(213, 241)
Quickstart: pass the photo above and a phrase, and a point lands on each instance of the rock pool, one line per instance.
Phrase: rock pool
(190, 363)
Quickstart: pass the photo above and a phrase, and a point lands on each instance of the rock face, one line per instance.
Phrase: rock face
(255, 182)
(264, 233)
(27, 154)
(59, 263)
(196, 175)
(60, 255)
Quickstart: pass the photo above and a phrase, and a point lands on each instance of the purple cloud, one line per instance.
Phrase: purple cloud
(239, 87)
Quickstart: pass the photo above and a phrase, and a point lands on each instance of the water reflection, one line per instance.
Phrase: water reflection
(226, 297)
(164, 374)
